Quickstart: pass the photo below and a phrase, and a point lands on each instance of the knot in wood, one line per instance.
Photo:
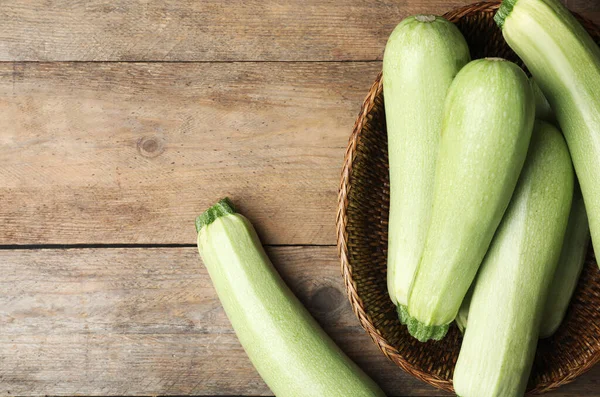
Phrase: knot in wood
(150, 146)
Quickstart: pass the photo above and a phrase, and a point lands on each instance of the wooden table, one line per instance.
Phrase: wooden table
(121, 121)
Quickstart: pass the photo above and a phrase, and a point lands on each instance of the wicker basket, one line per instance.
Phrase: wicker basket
(362, 243)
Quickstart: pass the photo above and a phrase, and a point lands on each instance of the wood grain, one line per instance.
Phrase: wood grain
(208, 30)
(130, 153)
(587, 8)
(148, 322)
(97, 153)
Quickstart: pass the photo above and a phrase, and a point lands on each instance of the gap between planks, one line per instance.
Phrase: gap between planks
(148, 322)
(107, 153)
(201, 62)
(134, 246)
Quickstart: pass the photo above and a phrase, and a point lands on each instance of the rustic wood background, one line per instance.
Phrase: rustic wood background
(121, 121)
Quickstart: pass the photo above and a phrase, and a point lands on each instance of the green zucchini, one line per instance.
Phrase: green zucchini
(565, 62)
(291, 352)
(462, 317)
(543, 111)
(570, 264)
(488, 119)
(512, 284)
(422, 56)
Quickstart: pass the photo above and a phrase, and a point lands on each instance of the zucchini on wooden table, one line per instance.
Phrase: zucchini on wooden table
(488, 119)
(565, 62)
(289, 349)
(422, 56)
(510, 291)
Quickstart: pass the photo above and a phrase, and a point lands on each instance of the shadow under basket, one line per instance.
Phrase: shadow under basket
(362, 244)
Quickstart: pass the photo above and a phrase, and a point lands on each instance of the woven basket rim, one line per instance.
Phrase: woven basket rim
(356, 302)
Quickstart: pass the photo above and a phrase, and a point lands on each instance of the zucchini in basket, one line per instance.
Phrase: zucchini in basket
(510, 291)
(289, 349)
(488, 119)
(566, 276)
(422, 56)
(543, 111)
(570, 264)
(565, 62)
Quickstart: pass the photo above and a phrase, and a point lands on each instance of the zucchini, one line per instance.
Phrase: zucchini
(543, 111)
(488, 119)
(570, 264)
(462, 317)
(422, 56)
(291, 352)
(512, 284)
(565, 63)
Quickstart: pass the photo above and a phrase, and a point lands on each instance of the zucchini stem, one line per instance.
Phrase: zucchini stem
(419, 330)
(425, 18)
(504, 11)
(222, 208)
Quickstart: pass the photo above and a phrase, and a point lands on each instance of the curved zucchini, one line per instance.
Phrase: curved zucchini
(570, 264)
(291, 352)
(488, 119)
(565, 63)
(422, 56)
(511, 287)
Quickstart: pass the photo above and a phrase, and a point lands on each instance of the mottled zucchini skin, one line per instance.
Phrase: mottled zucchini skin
(488, 119)
(565, 62)
(422, 56)
(289, 349)
(510, 291)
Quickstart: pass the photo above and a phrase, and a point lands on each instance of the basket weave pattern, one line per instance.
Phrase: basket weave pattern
(362, 245)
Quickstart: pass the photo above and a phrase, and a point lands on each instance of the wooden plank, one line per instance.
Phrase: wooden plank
(587, 8)
(148, 322)
(208, 30)
(132, 152)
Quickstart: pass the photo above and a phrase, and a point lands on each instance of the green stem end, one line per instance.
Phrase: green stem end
(504, 11)
(421, 331)
(222, 208)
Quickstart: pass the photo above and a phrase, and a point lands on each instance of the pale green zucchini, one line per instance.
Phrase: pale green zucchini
(572, 256)
(291, 352)
(566, 276)
(462, 317)
(422, 56)
(570, 264)
(543, 111)
(512, 284)
(488, 119)
(565, 63)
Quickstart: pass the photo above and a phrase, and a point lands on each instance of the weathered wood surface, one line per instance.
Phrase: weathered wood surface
(207, 30)
(147, 321)
(210, 30)
(131, 152)
(95, 152)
